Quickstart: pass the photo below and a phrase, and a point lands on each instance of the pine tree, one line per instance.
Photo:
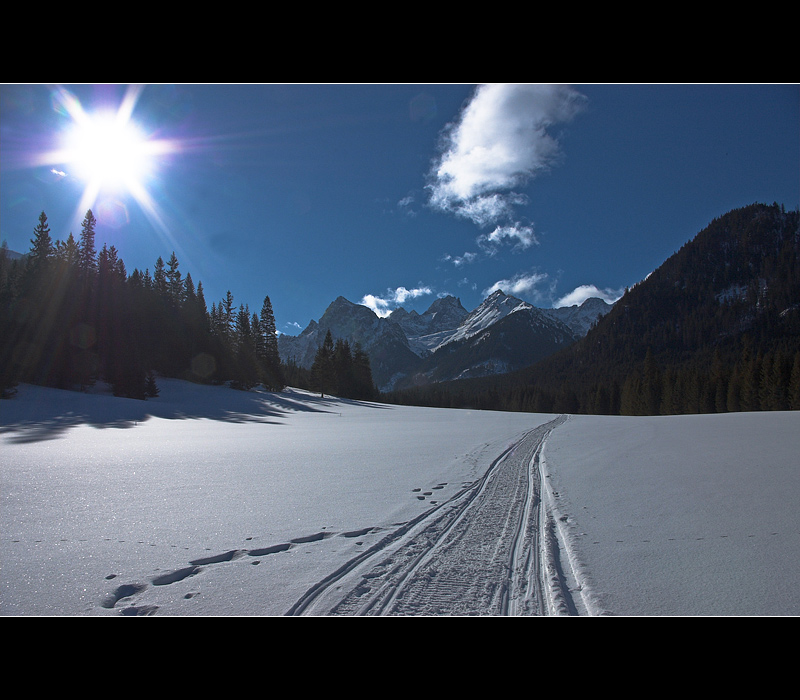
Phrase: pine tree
(67, 253)
(246, 369)
(174, 283)
(272, 373)
(160, 278)
(189, 294)
(86, 248)
(258, 337)
(322, 370)
(228, 317)
(363, 384)
(343, 368)
(151, 389)
(42, 248)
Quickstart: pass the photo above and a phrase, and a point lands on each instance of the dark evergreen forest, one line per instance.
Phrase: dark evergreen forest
(71, 316)
(716, 328)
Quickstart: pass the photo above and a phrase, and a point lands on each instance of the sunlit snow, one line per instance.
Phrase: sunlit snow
(210, 501)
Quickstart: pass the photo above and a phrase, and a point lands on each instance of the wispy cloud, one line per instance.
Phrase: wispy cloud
(588, 291)
(406, 205)
(521, 236)
(460, 260)
(384, 305)
(502, 140)
(524, 285)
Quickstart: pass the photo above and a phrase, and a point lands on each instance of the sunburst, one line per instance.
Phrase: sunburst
(108, 151)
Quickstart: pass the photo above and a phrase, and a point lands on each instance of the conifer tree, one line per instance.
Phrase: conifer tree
(258, 337)
(189, 294)
(246, 371)
(86, 247)
(160, 278)
(228, 317)
(343, 368)
(322, 370)
(42, 248)
(201, 298)
(151, 388)
(174, 283)
(67, 252)
(363, 384)
(271, 361)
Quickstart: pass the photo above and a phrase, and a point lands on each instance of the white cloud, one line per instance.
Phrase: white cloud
(522, 236)
(377, 304)
(500, 142)
(406, 205)
(459, 260)
(383, 306)
(522, 285)
(588, 291)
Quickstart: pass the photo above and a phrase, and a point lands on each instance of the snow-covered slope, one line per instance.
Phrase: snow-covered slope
(494, 308)
(581, 317)
(209, 501)
(502, 335)
(443, 315)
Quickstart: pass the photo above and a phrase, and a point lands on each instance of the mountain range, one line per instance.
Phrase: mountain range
(446, 342)
(715, 328)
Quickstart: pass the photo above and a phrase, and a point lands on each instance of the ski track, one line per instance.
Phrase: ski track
(495, 548)
(489, 550)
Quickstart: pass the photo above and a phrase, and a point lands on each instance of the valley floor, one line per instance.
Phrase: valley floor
(209, 501)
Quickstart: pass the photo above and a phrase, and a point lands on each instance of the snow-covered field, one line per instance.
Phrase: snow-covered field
(210, 501)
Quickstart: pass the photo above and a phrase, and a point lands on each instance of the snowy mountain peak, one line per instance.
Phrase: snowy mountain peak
(492, 309)
(443, 315)
(399, 342)
(580, 318)
(445, 303)
(446, 312)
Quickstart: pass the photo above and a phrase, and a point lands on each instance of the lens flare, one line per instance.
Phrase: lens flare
(109, 152)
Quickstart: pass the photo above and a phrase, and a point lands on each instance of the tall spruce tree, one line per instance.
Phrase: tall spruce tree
(272, 376)
(175, 287)
(323, 373)
(86, 247)
(42, 247)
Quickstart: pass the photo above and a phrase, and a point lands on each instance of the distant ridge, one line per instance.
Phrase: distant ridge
(715, 328)
(446, 342)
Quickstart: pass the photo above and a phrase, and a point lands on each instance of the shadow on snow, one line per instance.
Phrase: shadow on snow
(41, 413)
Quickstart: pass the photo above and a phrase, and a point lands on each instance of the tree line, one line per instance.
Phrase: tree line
(71, 315)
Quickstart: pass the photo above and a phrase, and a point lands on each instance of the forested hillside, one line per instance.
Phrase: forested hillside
(71, 316)
(715, 328)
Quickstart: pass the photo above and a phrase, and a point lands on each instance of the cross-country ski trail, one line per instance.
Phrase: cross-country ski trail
(492, 549)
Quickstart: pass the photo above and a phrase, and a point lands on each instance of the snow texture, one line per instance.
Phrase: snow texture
(210, 501)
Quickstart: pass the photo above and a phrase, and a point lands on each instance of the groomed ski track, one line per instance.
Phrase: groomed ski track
(493, 549)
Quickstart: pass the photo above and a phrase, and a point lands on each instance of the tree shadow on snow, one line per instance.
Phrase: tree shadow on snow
(40, 413)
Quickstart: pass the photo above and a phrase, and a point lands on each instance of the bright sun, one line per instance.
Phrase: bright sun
(108, 151)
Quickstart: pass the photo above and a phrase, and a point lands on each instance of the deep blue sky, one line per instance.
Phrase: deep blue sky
(308, 192)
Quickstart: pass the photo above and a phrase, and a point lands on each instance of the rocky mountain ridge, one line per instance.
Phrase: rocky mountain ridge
(446, 342)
